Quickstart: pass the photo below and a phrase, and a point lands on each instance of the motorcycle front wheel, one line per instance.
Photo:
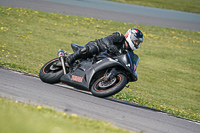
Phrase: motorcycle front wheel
(102, 88)
(50, 73)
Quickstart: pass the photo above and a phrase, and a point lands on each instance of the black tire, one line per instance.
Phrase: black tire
(117, 86)
(49, 75)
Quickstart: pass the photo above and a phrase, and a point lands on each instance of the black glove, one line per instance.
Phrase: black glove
(114, 49)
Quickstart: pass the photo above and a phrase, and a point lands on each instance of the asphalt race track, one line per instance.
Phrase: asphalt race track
(113, 11)
(133, 117)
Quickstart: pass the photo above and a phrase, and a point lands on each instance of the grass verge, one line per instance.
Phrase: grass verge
(169, 67)
(18, 117)
(179, 5)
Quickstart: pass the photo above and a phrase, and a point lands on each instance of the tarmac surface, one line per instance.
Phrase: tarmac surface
(113, 11)
(129, 116)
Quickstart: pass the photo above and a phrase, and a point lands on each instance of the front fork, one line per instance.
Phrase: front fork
(61, 55)
(111, 75)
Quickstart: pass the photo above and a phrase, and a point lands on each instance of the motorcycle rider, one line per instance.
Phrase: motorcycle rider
(115, 43)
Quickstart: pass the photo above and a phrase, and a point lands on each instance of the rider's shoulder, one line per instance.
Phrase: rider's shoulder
(117, 34)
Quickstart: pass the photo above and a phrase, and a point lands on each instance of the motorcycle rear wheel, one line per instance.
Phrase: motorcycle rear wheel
(50, 73)
(108, 89)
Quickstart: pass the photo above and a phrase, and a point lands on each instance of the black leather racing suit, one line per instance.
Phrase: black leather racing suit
(114, 43)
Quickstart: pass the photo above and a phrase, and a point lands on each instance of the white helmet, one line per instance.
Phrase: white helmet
(134, 34)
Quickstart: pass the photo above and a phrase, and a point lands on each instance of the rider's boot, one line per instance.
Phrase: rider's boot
(86, 52)
(76, 55)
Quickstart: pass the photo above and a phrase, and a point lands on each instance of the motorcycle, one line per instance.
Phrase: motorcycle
(103, 75)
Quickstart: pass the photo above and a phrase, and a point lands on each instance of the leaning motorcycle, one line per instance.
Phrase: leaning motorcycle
(104, 75)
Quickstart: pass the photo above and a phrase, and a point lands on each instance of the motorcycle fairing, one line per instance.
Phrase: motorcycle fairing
(133, 60)
(129, 62)
(81, 77)
(82, 74)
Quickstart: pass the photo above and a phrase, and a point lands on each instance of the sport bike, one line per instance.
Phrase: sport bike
(104, 74)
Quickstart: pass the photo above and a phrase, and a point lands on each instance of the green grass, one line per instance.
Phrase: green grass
(168, 70)
(18, 117)
(180, 5)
